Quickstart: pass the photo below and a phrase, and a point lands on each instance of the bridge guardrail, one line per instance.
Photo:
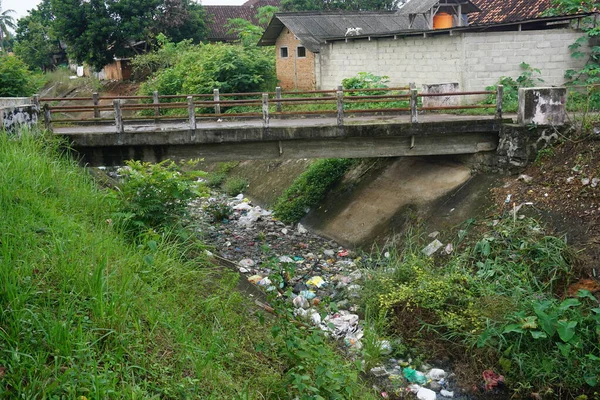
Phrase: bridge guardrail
(339, 103)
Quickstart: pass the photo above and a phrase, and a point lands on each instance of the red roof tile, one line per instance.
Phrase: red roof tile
(498, 11)
(217, 17)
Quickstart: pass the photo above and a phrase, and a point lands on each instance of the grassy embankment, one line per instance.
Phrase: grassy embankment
(84, 312)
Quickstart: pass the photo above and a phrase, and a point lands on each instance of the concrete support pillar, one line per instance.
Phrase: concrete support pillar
(413, 106)
(96, 99)
(191, 113)
(499, 96)
(216, 97)
(340, 108)
(542, 106)
(120, 128)
(278, 98)
(265, 112)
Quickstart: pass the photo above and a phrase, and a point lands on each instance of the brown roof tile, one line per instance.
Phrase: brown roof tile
(499, 11)
(217, 17)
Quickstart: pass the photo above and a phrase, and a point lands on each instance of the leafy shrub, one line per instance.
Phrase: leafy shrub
(215, 179)
(310, 188)
(497, 295)
(510, 96)
(154, 196)
(204, 67)
(15, 79)
(366, 80)
(235, 185)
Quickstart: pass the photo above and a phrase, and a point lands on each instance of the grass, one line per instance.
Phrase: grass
(84, 312)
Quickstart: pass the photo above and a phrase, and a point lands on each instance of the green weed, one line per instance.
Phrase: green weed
(235, 185)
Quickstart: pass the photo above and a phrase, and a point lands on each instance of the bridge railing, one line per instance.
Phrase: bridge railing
(339, 103)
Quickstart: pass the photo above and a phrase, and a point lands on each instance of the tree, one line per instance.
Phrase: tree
(249, 34)
(36, 44)
(329, 5)
(15, 79)
(6, 22)
(96, 31)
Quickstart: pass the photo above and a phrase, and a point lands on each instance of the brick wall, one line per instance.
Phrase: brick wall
(474, 60)
(294, 72)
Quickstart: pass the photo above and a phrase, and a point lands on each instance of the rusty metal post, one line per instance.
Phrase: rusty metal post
(96, 99)
(216, 100)
(191, 112)
(499, 95)
(265, 112)
(413, 106)
(278, 98)
(340, 108)
(120, 128)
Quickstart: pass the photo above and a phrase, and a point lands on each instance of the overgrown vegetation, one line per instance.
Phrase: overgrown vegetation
(86, 312)
(15, 79)
(310, 188)
(498, 298)
(529, 77)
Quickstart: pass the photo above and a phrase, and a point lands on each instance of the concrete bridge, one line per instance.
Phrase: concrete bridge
(413, 125)
(361, 137)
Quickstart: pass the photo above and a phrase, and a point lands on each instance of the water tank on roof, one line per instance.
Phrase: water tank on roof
(442, 21)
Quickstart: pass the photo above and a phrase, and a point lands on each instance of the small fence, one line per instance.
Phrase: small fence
(340, 103)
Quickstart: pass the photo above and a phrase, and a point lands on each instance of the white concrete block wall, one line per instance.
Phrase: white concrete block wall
(475, 60)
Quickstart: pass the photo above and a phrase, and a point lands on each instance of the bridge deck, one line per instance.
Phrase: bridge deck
(212, 124)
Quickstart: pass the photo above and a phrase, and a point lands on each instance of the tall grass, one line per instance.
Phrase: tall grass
(86, 313)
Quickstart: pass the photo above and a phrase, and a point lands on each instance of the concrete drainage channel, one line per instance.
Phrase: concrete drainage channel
(257, 245)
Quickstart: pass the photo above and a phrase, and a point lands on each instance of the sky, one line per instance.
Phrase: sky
(22, 6)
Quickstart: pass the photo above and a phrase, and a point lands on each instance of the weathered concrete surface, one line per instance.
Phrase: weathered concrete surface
(14, 101)
(288, 139)
(520, 144)
(441, 101)
(542, 106)
(13, 117)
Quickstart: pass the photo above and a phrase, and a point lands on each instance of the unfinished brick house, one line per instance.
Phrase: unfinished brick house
(475, 43)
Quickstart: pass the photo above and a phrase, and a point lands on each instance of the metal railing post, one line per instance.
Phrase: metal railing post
(340, 108)
(191, 112)
(413, 106)
(278, 98)
(216, 99)
(265, 112)
(156, 102)
(96, 99)
(499, 95)
(120, 128)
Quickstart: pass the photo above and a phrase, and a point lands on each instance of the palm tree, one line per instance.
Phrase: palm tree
(6, 21)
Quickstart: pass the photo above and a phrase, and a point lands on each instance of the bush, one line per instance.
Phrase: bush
(202, 68)
(310, 188)
(510, 96)
(235, 185)
(15, 79)
(155, 196)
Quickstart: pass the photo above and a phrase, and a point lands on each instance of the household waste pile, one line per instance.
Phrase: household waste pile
(260, 245)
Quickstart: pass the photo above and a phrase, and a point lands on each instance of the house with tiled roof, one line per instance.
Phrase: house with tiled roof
(218, 16)
(472, 43)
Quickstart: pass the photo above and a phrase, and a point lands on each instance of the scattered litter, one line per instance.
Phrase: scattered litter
(285, 259)
(329, 253)
(585, 181)
(255, 279)
(385, 347)
(446, 393)
(449, 248)
(508, 198)
(284, 231)
(570, 179)
(422, 393)
(432, 247)
(436, 374)
(300, 302)
(301, 229)
(386, 254)
(525, 178)
(492, 380)
(379, 372)
(316, 281)
(246, 263)
(434, 234)
(595, 182)
(308, 294)
(343, 253)
(414, 376)
(264, 282)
